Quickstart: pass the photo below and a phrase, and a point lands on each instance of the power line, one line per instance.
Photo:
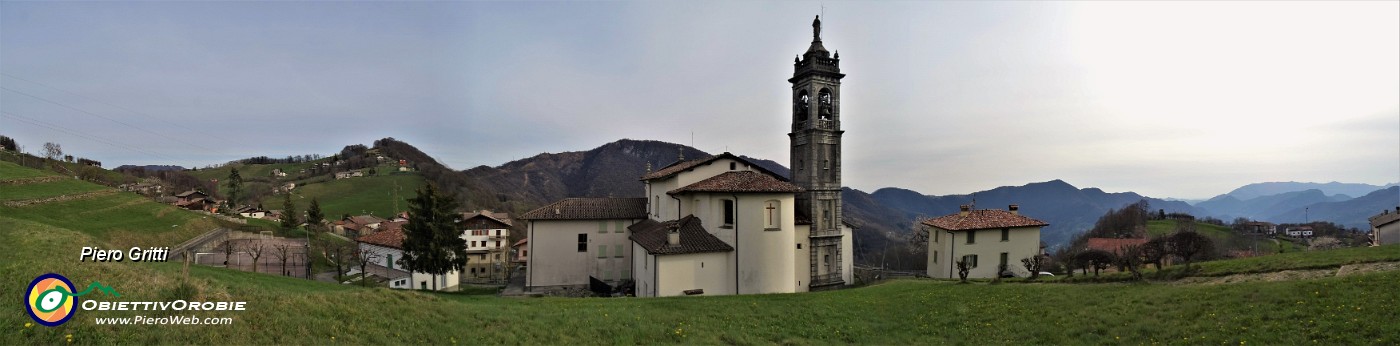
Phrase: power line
(147, 116)
(80, 134)
(103, 117)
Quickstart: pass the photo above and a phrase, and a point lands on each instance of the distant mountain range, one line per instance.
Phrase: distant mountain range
(1255, 190)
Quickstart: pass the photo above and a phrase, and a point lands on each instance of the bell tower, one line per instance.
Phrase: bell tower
(816, 154)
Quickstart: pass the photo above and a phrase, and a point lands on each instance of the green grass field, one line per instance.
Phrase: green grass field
(10, 170)
(48, 189)
(1355, 309)
(354, 196)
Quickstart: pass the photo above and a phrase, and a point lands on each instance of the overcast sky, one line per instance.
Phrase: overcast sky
(1168, 99)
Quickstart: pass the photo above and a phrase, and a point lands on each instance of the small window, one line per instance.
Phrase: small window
(617, 227)
(971, 260)
(602, 251)
(935, 256)
(1003, 260)
(1005, 234)
(656, 205)
(971, 237)
(936, 234)
(733, 165)
(799, 246)
(582, 242)
(826, 164)
(602, 227)
(728, 212)
(617, 251)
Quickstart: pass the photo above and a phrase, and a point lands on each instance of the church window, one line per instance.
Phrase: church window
(728, 212)
(799, 106)
(824, 97)
(772, 212)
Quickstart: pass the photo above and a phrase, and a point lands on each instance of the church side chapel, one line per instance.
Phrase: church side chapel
(723, 225)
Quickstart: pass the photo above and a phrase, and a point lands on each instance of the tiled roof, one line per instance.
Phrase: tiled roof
(190, 192)
(681, 166)
(651, 235)
(983, 219)
(590, 209)
(499, 218)
(390, 238)
(1385, 218)
(366, 219)
(740, 181)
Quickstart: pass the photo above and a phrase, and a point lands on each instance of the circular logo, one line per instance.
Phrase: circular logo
(50, 299)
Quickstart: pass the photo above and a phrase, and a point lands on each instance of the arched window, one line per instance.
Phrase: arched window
(824, 97)
(800, 104)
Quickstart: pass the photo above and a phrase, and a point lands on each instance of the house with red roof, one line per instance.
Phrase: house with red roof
(385, 250)
(984, 238)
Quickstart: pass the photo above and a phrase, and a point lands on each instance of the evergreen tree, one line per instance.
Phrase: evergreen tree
(289, 212)
(235, 185)
(313, 214)
(432, 243)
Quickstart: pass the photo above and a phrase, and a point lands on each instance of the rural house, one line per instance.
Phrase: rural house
(1385, 227)
(984, 238)
(386, 250)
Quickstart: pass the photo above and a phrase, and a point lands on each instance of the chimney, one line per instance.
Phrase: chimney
(556, 211)
(964, 209)
(673, 237)
(1014, 208)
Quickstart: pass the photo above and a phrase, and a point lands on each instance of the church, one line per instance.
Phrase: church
(717, 225)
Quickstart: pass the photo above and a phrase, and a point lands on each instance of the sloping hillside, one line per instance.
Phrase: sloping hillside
(1348, 213)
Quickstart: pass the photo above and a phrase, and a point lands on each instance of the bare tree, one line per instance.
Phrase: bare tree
(1097, 259)
(963, 268)
(340, 254)
(363, 257)
(1153, 251)
(52, 151)
(1034, 264)
(1131, 258)
(1188, 245)
(282, 252)
(255, 248)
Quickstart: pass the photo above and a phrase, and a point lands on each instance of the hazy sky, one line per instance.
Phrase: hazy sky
(1168, 99)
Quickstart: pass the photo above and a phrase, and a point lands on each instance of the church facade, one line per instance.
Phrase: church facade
(721, 225)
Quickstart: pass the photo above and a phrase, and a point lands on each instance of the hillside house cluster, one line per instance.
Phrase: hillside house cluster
(486, 233)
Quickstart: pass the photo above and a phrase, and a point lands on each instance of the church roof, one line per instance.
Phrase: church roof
(651, 235)
(983, 219)
(681, 166)
(739, 181)
(590, 209)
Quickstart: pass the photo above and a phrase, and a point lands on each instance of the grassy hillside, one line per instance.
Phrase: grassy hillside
(1355, 309)
(1224, 237)
(354, 196)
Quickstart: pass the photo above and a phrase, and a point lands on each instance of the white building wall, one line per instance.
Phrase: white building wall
(644, 271)
(708, 271)
(848, 255)
(802, 268)
(555, 259)
(390, 258)
(1022, 242)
